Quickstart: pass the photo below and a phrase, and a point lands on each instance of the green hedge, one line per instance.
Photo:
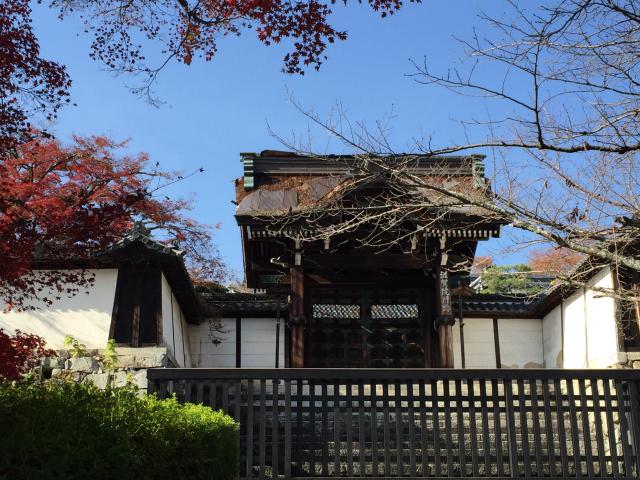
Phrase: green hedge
(63, 430)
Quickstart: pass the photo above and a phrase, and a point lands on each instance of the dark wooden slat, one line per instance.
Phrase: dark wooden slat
(611, 433)
(336, 430)
(436, 428)
(299, 435)
(497, 426)
(249, 440)
(597, 421)
(262, 442)
(387, 437)
(485, 428)
(275, 428)
(548, 426)
(349, 427)
(374, 430)
(185, 387)
(225, 397)
(462, 454)
(511, 429)
(287, 428)
(575, 434)
(325, 430)
(586, 433)
(473, 428)
(213, 389)
(237, 409)
(524, 428)
(447, 426)
(361, 430)
(399, 445)
(424, 461)
(199, 392)
(537, 434)
(163, 389)
(562, 435)
(634, 403)
(624, 429)
(312, 427)
(411, 433)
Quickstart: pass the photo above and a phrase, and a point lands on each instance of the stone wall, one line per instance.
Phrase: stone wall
(130, 369)
(628, 360)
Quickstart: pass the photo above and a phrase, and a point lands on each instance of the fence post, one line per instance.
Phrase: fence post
(634, 398)
(511, 428)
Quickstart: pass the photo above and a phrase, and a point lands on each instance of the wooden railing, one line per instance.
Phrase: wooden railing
(423, 423)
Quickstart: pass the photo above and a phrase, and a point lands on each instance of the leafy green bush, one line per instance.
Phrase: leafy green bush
(64, 430)
(509, 280)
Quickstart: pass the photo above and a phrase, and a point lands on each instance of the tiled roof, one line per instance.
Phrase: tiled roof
(140, 233)
(277, 183)
(247, 304)
(491, 304)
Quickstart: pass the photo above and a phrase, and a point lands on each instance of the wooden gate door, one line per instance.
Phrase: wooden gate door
(367, 328)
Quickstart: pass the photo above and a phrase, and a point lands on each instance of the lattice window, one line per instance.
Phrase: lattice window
(325, 310)
(394, 311)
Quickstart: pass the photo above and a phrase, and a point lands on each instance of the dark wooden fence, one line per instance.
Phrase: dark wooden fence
(423, 423)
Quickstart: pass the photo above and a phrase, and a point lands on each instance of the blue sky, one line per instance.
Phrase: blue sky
(215, 110)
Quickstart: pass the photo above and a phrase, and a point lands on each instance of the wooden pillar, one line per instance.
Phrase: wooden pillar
(444, 319)
(296, 317)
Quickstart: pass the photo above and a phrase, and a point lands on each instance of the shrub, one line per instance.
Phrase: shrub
(64, 430)
(20, 353)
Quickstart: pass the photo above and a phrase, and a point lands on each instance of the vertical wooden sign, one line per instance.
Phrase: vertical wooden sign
(444, 319)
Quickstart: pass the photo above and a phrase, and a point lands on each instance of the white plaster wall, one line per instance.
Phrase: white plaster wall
(207, 355)
(479, 347)
(86, 315)
(168, 328)
(258, 349)
(590, 334)
(520, 342)
(174, 327)
(602, 337)
(552, 338)
(575, 338)
(259, 343)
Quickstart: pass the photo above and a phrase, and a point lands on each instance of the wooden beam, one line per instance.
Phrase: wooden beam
(238, 342)
(496, 342)
(297, 317)
(368, 261)
(444, 319)
(406, 279)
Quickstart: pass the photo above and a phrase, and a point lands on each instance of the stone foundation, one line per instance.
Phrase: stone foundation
(131, 366)
(628, 360)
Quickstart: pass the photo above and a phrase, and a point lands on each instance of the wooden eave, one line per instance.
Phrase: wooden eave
(133, 253)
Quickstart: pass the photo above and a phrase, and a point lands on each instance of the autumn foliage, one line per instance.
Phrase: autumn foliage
(20, 353)
(71, 202)
(554, 261)
(31, 87)
(481, 263)
(123, 30)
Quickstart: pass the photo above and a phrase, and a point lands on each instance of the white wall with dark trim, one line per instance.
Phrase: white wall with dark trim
(174, 327)
(581, 332)
(257, 346)
(86, 315)
(519, 341)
